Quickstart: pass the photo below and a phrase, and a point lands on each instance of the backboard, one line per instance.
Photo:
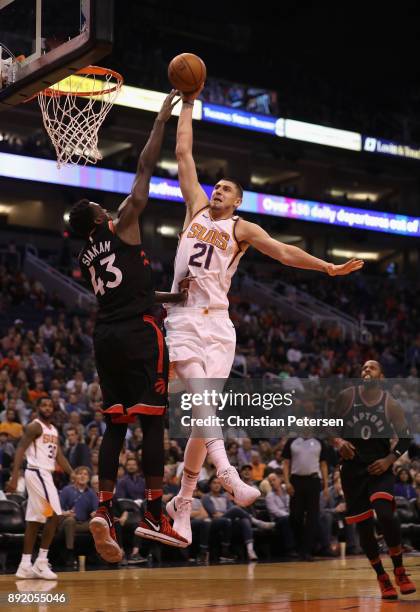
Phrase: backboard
(44, 41)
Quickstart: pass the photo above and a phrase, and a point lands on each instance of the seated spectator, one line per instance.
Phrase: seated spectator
(258, 467)
(404, 485)
(266, 452)
(136, 440)
(41, 359)
(244, 451)
(223, 512)
(11, 425)
(132, 484)
(37, 391)
(79, 503)
(74, 423)
(92, 436)
(232, 453)
(75, 403)
(10, 363)
(98, 421)
(77, 383)
(276, 462)
(246, 475)
(77, 453)
(47, 332)
(277, 502)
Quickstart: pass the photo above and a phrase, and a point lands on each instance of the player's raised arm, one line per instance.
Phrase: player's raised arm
(288, 254)
(194, 195)
(135, 203)
(33, 431)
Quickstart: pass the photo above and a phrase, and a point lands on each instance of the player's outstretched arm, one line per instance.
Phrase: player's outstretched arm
(33, 430)
(133, 206)
(288, 254)
(194, 195)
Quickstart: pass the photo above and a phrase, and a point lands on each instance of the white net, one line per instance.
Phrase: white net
(73, 110)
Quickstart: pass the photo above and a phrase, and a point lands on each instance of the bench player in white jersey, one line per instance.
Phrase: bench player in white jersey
(200, 336)
(40, 446)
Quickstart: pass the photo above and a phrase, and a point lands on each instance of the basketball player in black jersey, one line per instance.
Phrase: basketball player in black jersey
(130, 350)
(371, 418)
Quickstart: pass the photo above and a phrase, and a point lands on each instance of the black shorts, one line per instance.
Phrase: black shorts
(361, 489)
(132, 364)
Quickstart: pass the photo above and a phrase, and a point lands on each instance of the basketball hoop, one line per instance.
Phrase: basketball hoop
(74, 109)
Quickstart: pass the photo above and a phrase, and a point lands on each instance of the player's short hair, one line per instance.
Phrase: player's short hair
(41, 399)
(82, 218)
(237, 184)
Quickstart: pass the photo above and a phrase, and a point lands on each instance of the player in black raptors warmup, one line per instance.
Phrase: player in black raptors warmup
(371, 418)
(130, 350)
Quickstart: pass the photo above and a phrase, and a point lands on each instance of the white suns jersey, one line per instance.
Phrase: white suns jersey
(207, 250)
(41, 453)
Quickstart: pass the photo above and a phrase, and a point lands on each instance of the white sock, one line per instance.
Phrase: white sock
(193, 376)
(43, 553)
(217, 454)
(26, 560)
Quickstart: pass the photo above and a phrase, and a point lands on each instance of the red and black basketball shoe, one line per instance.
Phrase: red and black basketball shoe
(103, 531)
(160, 530)
(387, 588)
(403, 581)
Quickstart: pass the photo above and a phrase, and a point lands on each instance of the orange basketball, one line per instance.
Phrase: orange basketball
(186, 72)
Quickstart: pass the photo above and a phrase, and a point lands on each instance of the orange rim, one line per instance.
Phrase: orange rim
(89, 70)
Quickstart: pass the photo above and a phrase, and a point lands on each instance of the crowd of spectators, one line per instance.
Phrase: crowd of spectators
(51, 354)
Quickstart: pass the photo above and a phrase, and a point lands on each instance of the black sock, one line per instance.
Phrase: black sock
(377, 566)
(154, 502)
(396, 558)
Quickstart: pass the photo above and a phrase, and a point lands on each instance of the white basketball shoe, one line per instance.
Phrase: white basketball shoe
(243, 494)
(179, 509)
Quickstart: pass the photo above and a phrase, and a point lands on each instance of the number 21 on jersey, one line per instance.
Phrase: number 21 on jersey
(97, 283)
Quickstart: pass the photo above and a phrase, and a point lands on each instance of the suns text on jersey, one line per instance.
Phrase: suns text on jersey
(211, 236)
(96, 249)
(49, 439)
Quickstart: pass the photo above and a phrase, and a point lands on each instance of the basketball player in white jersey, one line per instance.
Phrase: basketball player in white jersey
(200, 336)
(40, 446)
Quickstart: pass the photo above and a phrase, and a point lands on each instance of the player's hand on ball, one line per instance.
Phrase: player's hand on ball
(190, 97)
(379, 466)
(347, 268)
(168, 105)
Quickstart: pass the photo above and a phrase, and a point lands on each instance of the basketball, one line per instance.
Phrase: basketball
(186, 72)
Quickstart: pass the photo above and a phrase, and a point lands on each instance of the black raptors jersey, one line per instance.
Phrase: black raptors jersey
(119, 274)
(367, 428)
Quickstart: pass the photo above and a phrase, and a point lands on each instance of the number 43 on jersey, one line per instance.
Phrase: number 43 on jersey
(97, 282)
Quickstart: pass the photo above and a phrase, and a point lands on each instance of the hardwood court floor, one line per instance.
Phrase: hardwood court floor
(324, 586)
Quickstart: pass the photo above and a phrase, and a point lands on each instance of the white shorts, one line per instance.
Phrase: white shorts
(43, 498)
(209, 338)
